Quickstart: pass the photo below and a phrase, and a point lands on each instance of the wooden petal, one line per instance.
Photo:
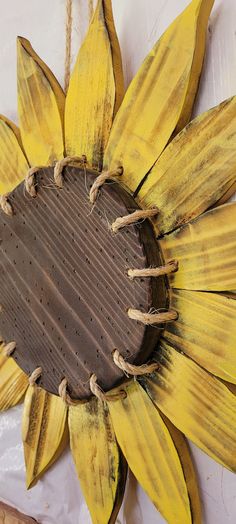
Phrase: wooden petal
(116, 55)
(96, 89)
(13, 164)
(98, 460)
(40, 107)
(160, 98)
(13, 383)
(197, 403)
(206, 251)
(205, 330)
(44, 431)
(196, 170)
(185, 457)
(151, 454)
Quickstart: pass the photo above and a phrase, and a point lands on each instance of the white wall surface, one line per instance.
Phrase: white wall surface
(57, 498)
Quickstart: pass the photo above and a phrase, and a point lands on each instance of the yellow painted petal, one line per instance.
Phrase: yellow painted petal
(13, 164)
(160, 98)
(13, 383)
(116, 55)
(149, 450)
(227, 195)
(197, 403)
(206, 251)
(185, 457)
(196, 170)
(98, 460)
(205, 330)
(44, 431)
(96, 89)
(40, 107)
(231, 387)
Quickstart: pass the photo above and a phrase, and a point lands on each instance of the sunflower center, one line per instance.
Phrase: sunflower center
(65, 291)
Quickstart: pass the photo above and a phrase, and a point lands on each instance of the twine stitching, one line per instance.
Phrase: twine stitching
(101, 395)
(132, 218)
(35, 376)
(5, 205)
(131, 369)
(30, 181)
(9, 348)
(100, 180)
(65, 396)
(59, 166)
(167, 269)
(152, 318)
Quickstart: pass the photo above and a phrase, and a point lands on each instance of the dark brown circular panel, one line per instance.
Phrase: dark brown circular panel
(64, 288)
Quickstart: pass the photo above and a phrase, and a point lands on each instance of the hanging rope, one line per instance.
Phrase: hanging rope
(68, 44)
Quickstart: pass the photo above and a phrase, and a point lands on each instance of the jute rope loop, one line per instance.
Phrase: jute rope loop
(59, 166)
(9, 348)
(100, 180)
(101, 395)
(63, 393)
(152, 318)
(35, 376)
(131, 369)
(30, 181)
(132, 218)
(5, 205)
(167, 269)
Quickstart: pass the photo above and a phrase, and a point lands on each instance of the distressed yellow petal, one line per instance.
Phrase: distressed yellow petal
(13, 164)
(159, 100)
(150, 452)
(190, 476)
(196, 170)
(13, 382)
(44, 431)
(40, 107)
(116, 55)
(96, 89)
(231, 387)
(197, 403)
(227, 195)
(205, 250)
(205, 330)
(99, 464)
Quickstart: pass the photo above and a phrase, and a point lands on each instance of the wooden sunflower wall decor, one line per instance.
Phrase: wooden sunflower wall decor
(118, 268)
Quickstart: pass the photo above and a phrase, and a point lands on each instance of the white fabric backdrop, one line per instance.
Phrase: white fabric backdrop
(57, 498)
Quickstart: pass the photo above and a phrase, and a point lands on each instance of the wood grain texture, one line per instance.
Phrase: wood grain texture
(40, 107)
(13, 383)
(151, 455)
(205, 250)
(96, 89)
(65, 290)
(197, 403)
(205, 330)
(13, 163)
(188, 466)
(195, 171)
(93, 443)
(44, 431)
(160, 97)
(149, 19)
